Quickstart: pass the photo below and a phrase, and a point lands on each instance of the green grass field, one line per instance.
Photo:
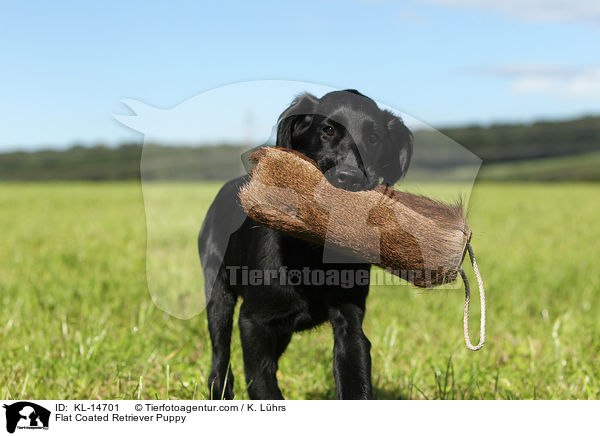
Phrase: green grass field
(77, 319)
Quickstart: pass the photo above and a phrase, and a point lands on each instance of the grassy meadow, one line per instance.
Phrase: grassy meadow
(78, 320)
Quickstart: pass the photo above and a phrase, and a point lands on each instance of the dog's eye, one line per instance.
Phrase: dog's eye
(330, 131)
(373, 138)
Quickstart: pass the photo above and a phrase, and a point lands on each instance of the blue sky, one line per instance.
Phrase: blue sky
(67, 65)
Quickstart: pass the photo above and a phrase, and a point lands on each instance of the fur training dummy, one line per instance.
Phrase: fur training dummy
(419, 239)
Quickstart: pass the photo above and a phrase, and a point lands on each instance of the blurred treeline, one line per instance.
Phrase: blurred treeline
(542, 151)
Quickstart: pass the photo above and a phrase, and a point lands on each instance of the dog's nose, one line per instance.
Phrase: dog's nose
(350, 179)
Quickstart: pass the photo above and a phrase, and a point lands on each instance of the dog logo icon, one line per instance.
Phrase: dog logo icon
(26, 415)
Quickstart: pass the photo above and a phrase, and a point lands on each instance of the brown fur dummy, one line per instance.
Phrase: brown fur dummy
(414, 237)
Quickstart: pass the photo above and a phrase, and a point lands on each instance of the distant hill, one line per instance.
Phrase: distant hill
(76, 163)
(123, 163)
(543, 139)
(549, 150)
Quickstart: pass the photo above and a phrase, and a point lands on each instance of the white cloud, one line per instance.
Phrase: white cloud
(584, 11)
(583, 82)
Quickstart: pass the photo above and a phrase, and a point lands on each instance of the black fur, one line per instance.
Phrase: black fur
(357, 146)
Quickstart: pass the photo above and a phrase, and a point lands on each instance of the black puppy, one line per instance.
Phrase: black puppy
(357, 146)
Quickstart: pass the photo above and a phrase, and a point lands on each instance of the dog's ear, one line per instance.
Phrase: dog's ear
(401, 145)
(290, 120)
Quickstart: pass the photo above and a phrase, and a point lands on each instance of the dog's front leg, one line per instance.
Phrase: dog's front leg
(262, 346)
(351, 353)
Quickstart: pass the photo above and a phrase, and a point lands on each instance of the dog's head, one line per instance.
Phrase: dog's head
(354, 143)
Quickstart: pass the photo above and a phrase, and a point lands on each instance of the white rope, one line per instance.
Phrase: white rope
(470, 346)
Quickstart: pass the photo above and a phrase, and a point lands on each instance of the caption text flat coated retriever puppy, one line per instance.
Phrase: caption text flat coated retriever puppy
(357, 146)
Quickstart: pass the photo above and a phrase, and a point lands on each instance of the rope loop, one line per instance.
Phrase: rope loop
(468, 343)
